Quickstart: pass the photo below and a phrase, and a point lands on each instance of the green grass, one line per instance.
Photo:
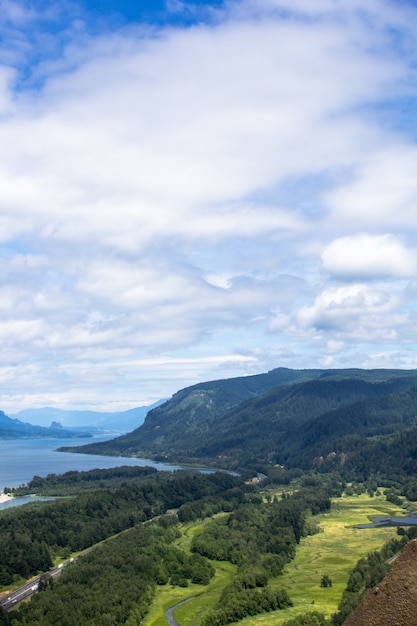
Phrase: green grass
(334, 552)
(203, 598)
(189, 613)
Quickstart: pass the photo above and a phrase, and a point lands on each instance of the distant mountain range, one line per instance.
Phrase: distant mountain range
(179, 424)
(121, 421)
(16, 429)
(365, 420)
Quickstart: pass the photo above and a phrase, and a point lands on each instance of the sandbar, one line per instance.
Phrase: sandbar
(4, 497)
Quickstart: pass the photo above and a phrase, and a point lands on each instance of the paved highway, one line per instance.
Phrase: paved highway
(28, 589)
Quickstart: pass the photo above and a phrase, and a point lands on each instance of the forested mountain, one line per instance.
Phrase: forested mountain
(15, 429)
(194, 411)
(298, 418)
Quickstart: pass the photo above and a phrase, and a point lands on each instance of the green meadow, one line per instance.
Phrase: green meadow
(203, 598)
(333, 551)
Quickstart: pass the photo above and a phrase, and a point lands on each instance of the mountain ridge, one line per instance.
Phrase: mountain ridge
(240, 422)
(13, 428)
(73, 418)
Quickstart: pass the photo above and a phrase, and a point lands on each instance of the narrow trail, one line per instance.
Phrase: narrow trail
(169, 612)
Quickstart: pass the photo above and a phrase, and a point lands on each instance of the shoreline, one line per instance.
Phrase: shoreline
(4, 497)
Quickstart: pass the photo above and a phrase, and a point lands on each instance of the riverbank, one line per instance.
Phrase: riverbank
(5, 497)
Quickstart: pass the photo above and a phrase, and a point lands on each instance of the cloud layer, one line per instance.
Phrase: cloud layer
(184, 202)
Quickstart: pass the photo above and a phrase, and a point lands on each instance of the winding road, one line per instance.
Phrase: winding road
(168, 613)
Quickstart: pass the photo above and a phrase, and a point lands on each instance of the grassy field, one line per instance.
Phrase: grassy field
(334, 552)
(203, 598)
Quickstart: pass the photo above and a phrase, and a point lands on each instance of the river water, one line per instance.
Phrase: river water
(22, 459)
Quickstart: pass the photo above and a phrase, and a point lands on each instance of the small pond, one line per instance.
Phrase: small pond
(379, 522)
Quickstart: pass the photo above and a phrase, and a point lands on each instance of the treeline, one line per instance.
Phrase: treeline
(236, 603)
(180, 425)
(209, 505)
(354, 422)
(115, 583)
(31, 535)
(22, 557)
(72, 482)
(260, 538)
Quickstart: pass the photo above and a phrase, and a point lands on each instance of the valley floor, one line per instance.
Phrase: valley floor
(334, 552)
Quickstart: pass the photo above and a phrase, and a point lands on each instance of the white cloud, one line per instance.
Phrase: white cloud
(382, 192)
(357, 312)
(178, 193)
(160, 128)
(369, 256)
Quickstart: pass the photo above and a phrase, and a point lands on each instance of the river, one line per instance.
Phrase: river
(22, 459)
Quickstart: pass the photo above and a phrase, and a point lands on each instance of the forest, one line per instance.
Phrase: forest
(73, 482)
(355, 422)
(258, 536)
(306, 437)
(32, 535)
(134, 529)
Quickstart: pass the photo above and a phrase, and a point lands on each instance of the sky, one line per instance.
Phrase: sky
(200, 190)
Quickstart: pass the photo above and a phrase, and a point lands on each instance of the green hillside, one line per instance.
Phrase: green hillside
(297, 418)
(178, 426)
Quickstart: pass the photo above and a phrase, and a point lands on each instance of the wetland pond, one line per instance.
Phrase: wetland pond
(380, 522)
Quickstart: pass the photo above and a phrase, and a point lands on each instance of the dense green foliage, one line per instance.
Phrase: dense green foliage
(259, 538)
(177, 427)
(322, 428)
(31, 535)
(73, 482)
(260, 535)
(115, 583)
(211, 504)
(352, 421)
(5, 619)
(21, 555)
(238, 602)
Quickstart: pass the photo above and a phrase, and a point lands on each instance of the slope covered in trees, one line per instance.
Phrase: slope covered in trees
(30, 537)
(329, 419)
(115, 583)
(192, 413)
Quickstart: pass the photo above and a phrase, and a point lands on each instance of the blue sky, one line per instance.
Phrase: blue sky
(157, 12)
(191, 191)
